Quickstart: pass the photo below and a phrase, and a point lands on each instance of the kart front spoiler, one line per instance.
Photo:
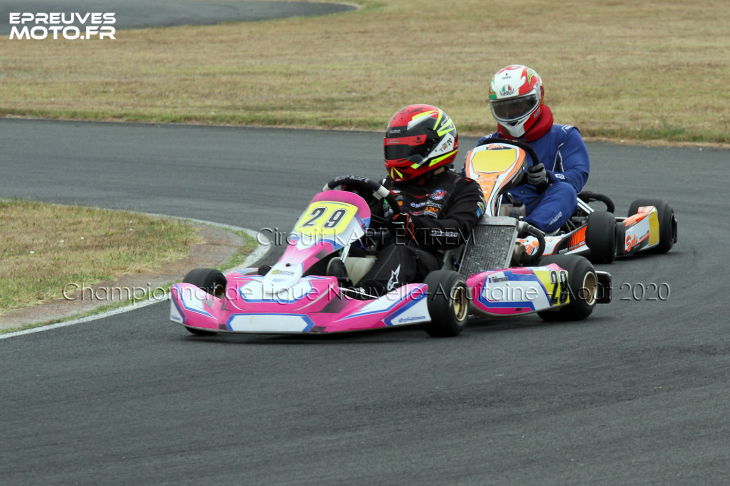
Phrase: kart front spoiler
(321, 309)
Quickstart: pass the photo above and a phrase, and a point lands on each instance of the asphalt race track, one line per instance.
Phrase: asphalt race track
(137, 14)
(636, 394)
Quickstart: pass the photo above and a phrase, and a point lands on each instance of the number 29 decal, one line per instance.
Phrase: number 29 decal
(331, 222)
(325, 218)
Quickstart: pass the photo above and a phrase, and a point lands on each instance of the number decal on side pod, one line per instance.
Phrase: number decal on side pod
(559, 279)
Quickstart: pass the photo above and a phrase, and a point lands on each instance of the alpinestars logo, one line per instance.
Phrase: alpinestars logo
(393, 279)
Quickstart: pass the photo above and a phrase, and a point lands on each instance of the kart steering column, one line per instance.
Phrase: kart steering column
(526, 229)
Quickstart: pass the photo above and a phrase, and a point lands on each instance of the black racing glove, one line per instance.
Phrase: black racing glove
(537, 176)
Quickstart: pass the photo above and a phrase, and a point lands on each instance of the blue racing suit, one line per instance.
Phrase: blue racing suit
(565, 157)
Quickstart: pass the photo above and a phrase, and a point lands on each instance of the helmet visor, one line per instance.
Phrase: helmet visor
(515, 108)
(412, 148)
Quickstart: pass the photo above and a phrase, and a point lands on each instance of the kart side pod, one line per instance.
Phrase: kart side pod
(558, 287)
(568, 290)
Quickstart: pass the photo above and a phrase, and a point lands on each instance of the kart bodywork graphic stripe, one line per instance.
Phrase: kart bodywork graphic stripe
(416, 300)
(378, 311)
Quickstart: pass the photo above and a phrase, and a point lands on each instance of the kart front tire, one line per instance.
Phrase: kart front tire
(601, 237)
(199, 332)
(448, 303)
(582, 285)
(667, 222)
(212, 282)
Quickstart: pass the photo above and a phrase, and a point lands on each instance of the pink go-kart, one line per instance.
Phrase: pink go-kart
(296, 296)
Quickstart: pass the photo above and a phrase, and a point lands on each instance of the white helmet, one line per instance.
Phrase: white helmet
(515, 98)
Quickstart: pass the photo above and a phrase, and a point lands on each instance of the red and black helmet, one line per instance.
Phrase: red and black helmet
(419, 139)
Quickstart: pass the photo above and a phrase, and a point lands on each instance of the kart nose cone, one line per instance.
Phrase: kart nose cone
(282, 276)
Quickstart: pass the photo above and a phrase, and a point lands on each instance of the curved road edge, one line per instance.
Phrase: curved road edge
(264, 245)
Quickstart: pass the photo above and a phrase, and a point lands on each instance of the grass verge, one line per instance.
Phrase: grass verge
(185, 234)
(651, 70)
(243, 252)
(44, 247)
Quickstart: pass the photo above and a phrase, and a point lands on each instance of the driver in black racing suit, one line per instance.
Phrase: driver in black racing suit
(438, 208)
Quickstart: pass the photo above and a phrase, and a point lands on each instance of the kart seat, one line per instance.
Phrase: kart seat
(357, 267)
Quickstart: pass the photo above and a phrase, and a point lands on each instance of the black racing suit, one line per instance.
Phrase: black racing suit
(444, 209)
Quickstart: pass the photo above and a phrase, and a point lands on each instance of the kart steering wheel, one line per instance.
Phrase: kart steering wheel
(379, 193)
(378, 190)
(527, 148)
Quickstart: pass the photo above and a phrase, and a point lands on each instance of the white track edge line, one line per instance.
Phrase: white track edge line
(264, 245)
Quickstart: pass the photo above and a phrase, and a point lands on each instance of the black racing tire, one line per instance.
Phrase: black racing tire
(601, 236)
(582, 285)
(667, 222)
(448, 303)
(212, 282)
(199, 332)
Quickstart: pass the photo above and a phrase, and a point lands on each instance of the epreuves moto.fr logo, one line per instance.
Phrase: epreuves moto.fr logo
(40, 26)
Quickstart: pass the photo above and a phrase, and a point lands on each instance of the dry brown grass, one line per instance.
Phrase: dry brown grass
(655, 69)
(44, 247)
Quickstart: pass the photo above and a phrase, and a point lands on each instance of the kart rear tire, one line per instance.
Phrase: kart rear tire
(582, 285)
(448, 303)
(601, 237)
(212, 282)
(667, 223)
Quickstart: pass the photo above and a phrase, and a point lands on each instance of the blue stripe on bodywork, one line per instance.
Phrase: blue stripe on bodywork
(389, 320)
(382, 310)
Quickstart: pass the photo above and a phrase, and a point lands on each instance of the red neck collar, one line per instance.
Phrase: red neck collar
(541, 127)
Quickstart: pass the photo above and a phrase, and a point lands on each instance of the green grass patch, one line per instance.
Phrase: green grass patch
(650, 70)
(242, 253)
(236, 260)
(46, 247)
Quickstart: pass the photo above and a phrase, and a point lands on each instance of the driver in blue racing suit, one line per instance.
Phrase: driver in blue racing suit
(516, 99)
